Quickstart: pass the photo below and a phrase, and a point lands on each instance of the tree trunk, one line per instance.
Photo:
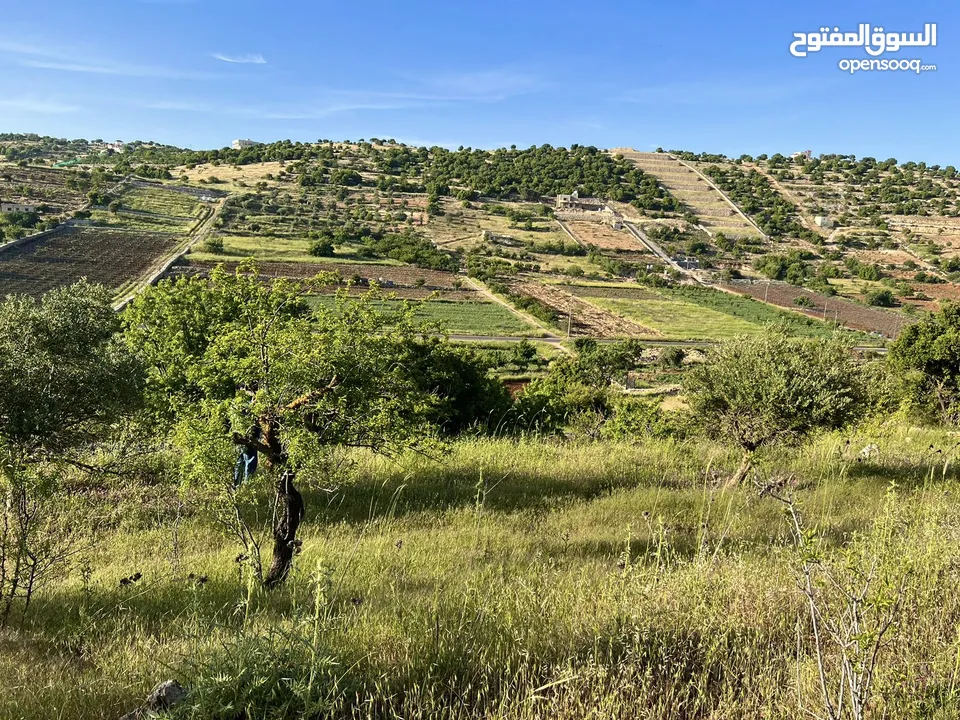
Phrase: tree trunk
(738, 477)
(288, 512)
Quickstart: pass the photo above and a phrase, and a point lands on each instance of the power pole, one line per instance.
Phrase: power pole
(569, 317)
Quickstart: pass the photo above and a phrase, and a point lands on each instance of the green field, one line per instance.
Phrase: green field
(464, 317)
(133, 221)
(678, 319)
(757, 312)
(162, 202)
(696, 313)
(277, 249)
(509, 580)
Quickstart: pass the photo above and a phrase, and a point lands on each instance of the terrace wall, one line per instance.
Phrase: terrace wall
(36, 236)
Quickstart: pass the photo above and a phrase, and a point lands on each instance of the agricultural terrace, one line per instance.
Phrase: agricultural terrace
(706, 206)
(116, 243)
(476, 316)
(697, 313)
(111, 257)
(62, 190)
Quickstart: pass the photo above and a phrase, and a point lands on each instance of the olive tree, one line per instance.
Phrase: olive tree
(926, 356)
(66, 379)
(239, 364)
(756, 391)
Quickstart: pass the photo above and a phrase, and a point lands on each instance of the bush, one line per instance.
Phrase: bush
(322, 247)
(213, 244)
(773, 388)
(881, 298)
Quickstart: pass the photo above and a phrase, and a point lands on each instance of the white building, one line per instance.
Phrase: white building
(823, 221)
(118, 147)
(241, 144)
(8, 207)
(805, 154)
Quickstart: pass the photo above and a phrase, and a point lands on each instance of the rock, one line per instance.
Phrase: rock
(163, 697)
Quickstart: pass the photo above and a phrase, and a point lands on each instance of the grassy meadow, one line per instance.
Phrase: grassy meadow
(461, 317)
(513, 579)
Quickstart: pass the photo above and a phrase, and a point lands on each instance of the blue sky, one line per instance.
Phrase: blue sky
(691, 74)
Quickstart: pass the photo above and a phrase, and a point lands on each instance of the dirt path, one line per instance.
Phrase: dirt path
(486, 292)
(200, 232)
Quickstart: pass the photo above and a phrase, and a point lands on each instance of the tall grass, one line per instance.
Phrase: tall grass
(513, 580)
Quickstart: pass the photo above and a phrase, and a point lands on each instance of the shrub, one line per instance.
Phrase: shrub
(881, 298)
(773, 388)
(322, 247)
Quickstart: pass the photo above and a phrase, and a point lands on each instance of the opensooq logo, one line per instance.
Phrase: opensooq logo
(875, 43)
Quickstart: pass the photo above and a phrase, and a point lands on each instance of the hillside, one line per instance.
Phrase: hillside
(504, 228)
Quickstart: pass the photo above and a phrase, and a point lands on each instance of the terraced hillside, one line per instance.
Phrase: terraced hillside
(426, 222)
(112, 257)
(712, 210)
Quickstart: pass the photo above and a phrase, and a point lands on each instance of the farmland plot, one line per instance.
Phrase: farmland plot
(673, 319)
(603, 236)
(586, 319)
(386, 275)
(846, 312)
(109, 257)
(479, 317)
(58, 188)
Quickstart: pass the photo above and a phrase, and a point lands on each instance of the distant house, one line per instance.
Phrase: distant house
(573, 201)
(118, 147)
(805, 154)
(9, 207)
(241, 144)
(823, 221)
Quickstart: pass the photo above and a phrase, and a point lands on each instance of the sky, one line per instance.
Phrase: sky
(700, 75)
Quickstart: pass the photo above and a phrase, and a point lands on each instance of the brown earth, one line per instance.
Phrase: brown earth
(587, 319)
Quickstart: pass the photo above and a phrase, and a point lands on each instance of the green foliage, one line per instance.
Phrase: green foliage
(754, 194)
(322, 247)
(927, 356)
(409, 247)
(64, 374)
(770, 387)
(234, 350)
(881, 298)
(576, 390)
(65, 383)
(213, 244)
(527, 303)
(791, 267)
(636, 419)
(546, 171)
(465, 396)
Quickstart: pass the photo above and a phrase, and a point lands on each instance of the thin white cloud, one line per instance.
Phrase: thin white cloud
(56, 57)
(417, 92)
(177, 106)
(722, 92)
(40, 107)
(121, 69)
(249, 58)
(484, 85)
